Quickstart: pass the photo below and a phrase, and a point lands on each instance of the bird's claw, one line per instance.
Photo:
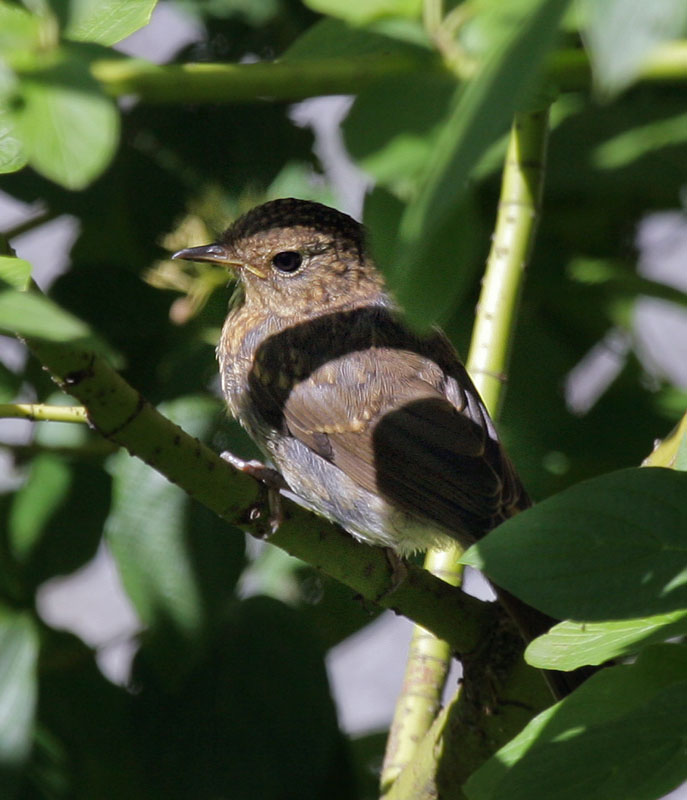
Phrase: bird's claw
(270, 478)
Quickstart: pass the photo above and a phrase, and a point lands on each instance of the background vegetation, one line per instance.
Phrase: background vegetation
(229, 696)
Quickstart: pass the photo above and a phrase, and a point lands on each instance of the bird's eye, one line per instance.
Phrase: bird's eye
(287, 260)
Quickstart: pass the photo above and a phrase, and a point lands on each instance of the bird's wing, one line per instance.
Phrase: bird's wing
(395, 423)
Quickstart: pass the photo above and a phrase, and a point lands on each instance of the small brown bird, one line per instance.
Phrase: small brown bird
(369, 424)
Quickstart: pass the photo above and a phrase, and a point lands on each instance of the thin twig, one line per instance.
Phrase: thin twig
(42, 411)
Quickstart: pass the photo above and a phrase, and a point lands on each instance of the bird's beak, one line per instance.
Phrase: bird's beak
(216, 254)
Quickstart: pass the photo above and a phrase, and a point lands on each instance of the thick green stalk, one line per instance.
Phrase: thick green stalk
(516, 222)
(290, 80)
(278, 80)
(518, 212)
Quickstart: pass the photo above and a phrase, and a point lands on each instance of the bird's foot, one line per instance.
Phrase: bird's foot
(270, 478)
(256, 469)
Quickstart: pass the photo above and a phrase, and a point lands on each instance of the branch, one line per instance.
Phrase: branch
(276, 80)
(121, 415)
(291, 80)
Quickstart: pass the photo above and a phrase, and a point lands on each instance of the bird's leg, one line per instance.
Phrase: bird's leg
(399, 568)
(270, 478)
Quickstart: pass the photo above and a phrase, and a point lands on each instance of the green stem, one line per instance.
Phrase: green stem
(41, 411)
(279, 80)
(516, 222)
(291, 80)
(429, 658)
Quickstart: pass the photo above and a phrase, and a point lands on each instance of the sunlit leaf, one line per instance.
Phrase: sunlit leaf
(620, 736)
(569, 645)
(106, 21)
(32, 314)
(15, 271)
(68, 127)
(614, 547)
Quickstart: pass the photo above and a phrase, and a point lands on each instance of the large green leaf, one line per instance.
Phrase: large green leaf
(178, 561)
(613, 547)
(42, 493)
(19, 30)
(106, 21)
(68, 127)
(453, 257)
(569, 645)
(34, 315)
(18, 691)
(620, 736)
(478, 115)
(392, 127)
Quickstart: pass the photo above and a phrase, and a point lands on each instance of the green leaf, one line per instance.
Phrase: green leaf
(56, 519)
(178, 561)
(332, 38)
(392, 128)
(575, 554)
(34, 315)
(19, 30)
(15, 271)
(298, 180)
(455, 252)
(12, 155)
(478, 115)
(620, 736)
(620, 34)
(570, 645)
(18, 689)
(106, 21)
(640, 141)
(68, 127)
(360, 12)
(44, 491)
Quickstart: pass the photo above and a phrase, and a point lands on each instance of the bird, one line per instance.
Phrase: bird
(368, 423)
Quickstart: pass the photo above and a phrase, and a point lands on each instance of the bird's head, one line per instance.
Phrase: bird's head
(296, 258)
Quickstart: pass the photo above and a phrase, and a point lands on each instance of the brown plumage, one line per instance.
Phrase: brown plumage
(371, 425)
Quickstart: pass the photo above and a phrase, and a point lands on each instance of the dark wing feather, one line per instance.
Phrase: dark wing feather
(435, 457)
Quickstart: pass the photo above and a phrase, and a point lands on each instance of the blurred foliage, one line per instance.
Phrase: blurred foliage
(228, 695)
